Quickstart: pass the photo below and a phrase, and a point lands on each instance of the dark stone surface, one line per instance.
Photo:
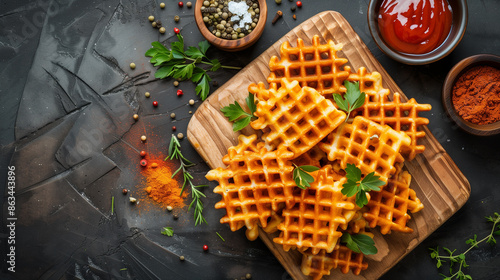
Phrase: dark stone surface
(67, 96)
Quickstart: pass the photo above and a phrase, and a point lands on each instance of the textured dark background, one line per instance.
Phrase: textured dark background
(67, 97)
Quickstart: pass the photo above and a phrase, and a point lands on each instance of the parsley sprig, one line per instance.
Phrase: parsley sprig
(460, 258)
(302, 177)
(358, 187)
(236, 113)
(180, 63)
(359, 243)
(174, 152)
(168, 231)
(353, 98)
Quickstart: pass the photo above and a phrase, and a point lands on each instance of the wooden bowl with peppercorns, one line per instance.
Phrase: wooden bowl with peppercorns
(471, 94)
(231, 25)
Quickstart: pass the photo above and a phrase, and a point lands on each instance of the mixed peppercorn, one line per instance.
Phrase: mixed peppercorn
(230, 20)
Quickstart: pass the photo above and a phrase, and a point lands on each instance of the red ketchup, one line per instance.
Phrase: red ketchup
(414, 26)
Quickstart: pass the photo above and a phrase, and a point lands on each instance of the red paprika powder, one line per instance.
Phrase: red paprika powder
(476, 95)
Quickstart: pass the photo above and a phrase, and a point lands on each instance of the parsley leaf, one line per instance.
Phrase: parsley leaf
(302, 177)
(359, 243)
(168, 231)
(180, 63)
(352, 99)
(203, 88)
(236, 114)
(358, 187)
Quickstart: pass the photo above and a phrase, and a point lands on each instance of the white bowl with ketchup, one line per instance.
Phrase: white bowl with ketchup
(417, 31)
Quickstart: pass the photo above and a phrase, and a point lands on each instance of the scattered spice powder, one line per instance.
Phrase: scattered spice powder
(161, 187)
(476, 95)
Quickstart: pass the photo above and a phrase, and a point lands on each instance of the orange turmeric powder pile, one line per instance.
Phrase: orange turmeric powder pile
(161, 187)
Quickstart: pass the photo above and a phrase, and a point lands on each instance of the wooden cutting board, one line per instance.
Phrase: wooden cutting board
(440, 185)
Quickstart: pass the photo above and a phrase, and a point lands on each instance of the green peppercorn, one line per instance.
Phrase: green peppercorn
(206, 3)
(277, 1)
(189, 4)
(177, 18)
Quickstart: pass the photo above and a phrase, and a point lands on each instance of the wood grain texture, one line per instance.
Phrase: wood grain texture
(436, 179)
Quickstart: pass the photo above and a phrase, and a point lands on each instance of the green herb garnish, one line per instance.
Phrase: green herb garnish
(460, 258)
(179, 63)
(112, 205)
(220, 237)
(168, 231)
(358, 187)
(302, 177)
(240, 117)
(174, 152)
(359, 243)
(353, 98)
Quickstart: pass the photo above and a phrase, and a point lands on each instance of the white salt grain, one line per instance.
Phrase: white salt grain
(240, 13)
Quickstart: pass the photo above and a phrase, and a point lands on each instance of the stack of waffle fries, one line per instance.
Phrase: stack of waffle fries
(299, 124)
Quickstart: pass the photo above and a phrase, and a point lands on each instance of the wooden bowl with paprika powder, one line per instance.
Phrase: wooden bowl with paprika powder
(471, 94)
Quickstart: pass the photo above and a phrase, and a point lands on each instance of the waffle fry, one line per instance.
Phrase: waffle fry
(388, 207)
(312, 157)
(245, 144)
(314, 221)
(254, 185)
(318, 265)
(316, 66)
(301, 126)
(294, 117)
(400, 116)
(368, 145)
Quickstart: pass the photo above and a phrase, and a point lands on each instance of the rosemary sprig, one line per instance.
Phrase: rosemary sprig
(174, 152)
(460, 258)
